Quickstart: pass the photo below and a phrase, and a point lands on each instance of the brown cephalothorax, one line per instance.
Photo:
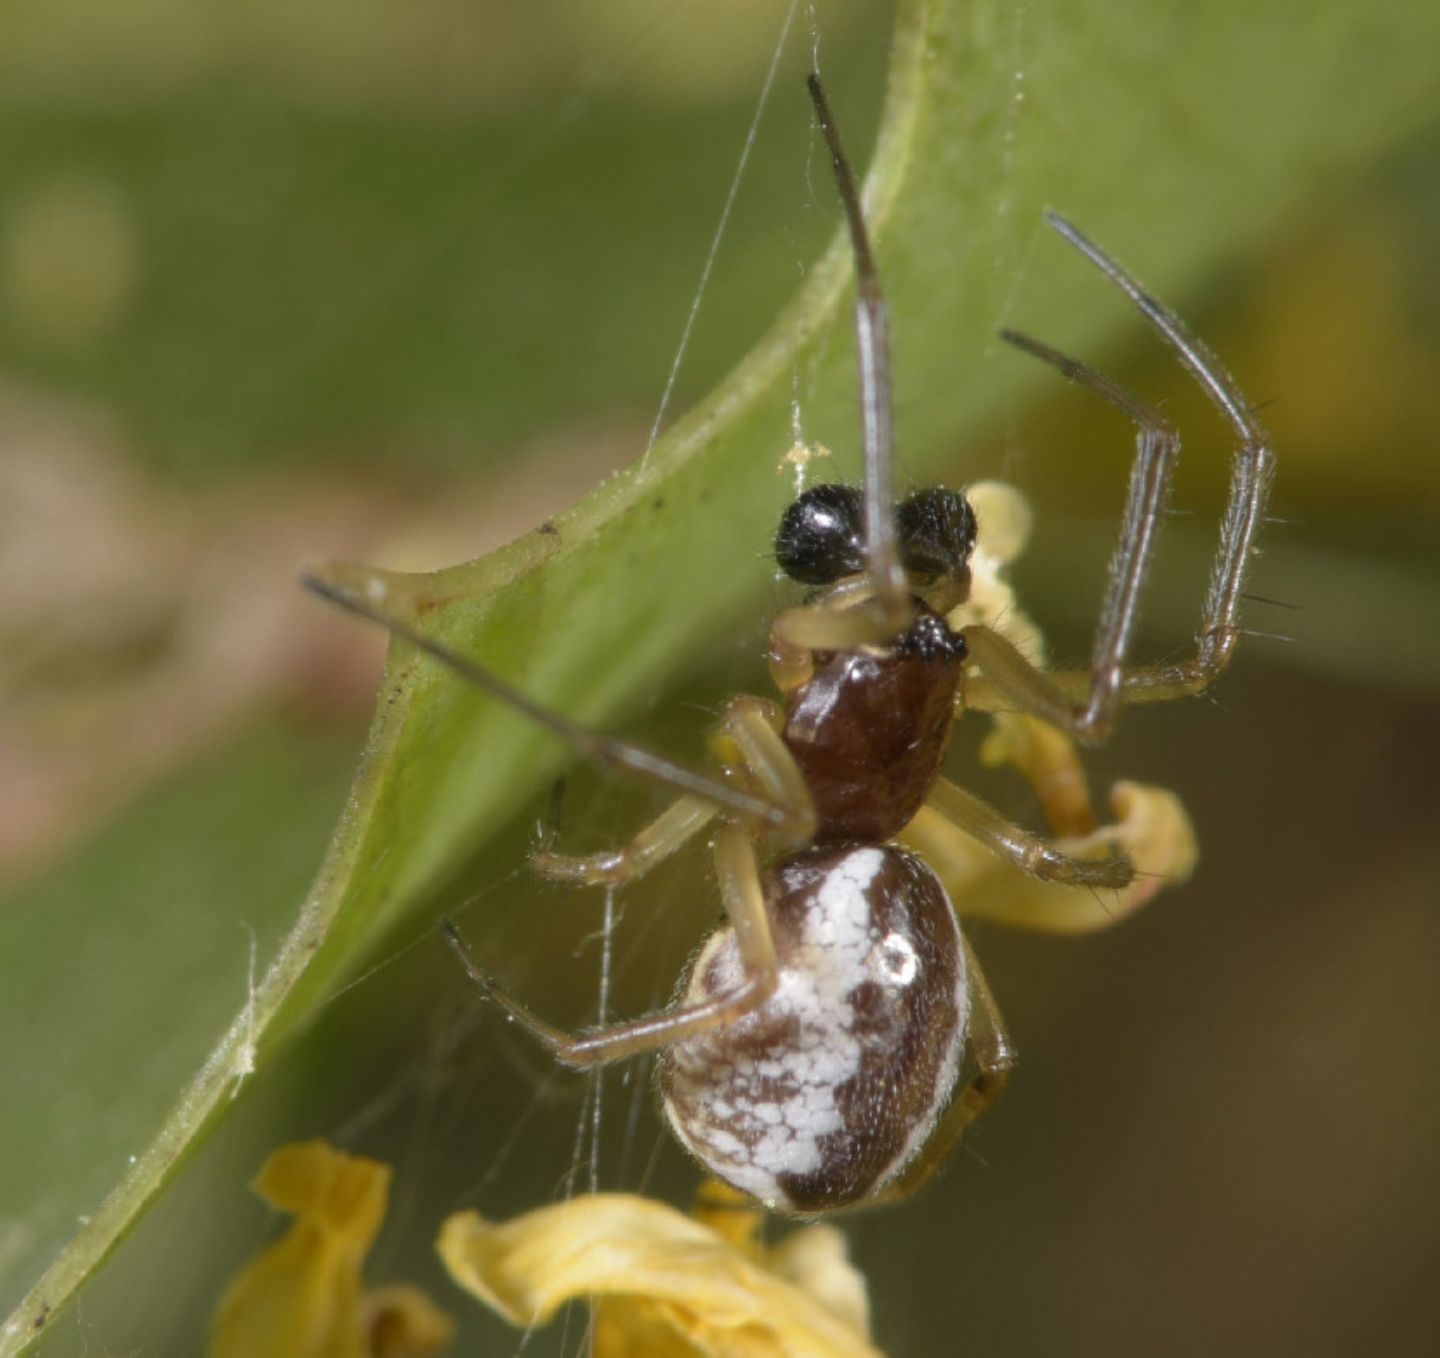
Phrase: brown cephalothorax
(814, 1055)
(869, 729)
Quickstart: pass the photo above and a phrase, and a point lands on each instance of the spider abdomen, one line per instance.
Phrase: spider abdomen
(823, 1094)
(870, 728)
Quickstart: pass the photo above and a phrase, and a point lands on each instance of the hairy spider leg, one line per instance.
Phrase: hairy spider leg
(1157, 446)
(1252, 474)
(1085, 704)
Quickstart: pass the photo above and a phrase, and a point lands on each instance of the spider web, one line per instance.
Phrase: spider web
(614, 1141)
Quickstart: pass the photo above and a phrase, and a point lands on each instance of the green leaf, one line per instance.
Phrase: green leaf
(1174, 132)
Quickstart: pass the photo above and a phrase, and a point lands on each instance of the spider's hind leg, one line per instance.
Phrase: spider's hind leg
(670, 831)
(744, 898)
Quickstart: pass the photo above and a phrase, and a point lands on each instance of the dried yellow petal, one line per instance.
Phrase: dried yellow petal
(1003, 520)
(667, 1286)
(303, 1297)
(400, 1321)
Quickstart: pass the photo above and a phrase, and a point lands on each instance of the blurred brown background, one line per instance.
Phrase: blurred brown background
(311, 281)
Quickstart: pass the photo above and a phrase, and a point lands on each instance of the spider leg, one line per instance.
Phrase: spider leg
(994, 1058)
(888, 610)
(1086, 705)
(744, 899)
(1030, 853)
(1156, 448)
(1251, 476)
(1050, 762)
(748, 738)
(1148, 822)
(604, 750)
(670, 831)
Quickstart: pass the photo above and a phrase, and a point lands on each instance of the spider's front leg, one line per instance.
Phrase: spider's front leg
(1085, 705)
(1251, 475)
(1008, 678)
(883, 608)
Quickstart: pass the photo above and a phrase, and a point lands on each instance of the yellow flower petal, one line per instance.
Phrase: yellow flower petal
(400, 1321)
(1003, 521)
(303, 1296)
(669, 1285)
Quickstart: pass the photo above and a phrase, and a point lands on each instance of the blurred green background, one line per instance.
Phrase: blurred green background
(281, 283)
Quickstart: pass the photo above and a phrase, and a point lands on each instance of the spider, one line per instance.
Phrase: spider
(813, 1057)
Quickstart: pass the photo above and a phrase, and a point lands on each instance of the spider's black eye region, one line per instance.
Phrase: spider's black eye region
(822, 536)
(936, 528)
